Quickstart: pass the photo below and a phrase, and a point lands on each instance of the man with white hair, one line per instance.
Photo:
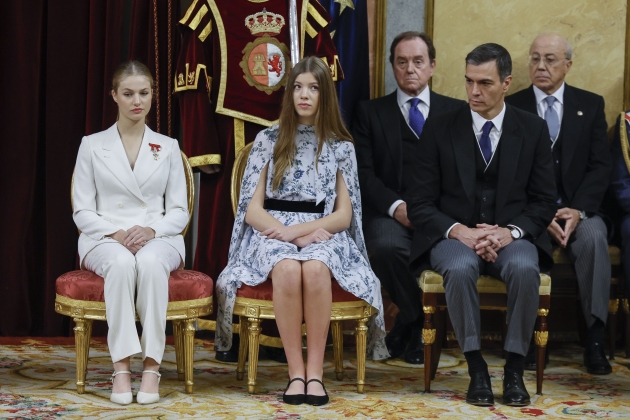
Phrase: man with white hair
(582, 166)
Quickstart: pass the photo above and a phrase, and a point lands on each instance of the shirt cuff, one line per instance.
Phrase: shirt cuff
(449, 230)
(393, 207)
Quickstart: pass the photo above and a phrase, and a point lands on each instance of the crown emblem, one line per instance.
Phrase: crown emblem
(264, 22)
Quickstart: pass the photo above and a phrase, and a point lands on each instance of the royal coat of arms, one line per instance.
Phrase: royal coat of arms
(266, 60)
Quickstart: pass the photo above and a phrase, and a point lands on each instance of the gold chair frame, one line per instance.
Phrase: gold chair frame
(493, 296)
(252, 311)
(182, 313)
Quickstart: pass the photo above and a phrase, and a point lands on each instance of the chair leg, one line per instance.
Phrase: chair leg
(428, 335)
(189, 353)
(361, 334)
(254, 338)
(242, 348)
(541, 336)
(626, 310)
(179, 348)
(436, 347)
(613, 308)
(504, 353)
(337, 337)
(82, 334)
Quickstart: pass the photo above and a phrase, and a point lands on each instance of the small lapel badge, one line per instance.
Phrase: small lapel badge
(155, 149)
(580, 113)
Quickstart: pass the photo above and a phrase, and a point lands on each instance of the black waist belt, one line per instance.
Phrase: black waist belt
(294, 206)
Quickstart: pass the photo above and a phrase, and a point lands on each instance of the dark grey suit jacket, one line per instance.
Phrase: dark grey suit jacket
(378, 141)
(443, 190)
(585, 160)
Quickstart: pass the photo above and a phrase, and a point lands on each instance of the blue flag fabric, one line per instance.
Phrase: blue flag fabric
(349, 29)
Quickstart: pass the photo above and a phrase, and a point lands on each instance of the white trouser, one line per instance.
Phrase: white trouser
(148, 271)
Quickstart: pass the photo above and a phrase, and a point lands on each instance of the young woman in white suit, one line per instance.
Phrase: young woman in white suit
(130, 204)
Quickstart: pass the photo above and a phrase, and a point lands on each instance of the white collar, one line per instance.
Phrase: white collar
(479, 121)
(424, 96)
(540, 95)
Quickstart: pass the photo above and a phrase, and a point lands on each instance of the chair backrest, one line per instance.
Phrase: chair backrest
(190, 190)
(237, 174)
(623, 137)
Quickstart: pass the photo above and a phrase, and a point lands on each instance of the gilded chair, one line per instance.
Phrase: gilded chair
(254, 304)
(492, 295)
(564, 273)
(80, 295)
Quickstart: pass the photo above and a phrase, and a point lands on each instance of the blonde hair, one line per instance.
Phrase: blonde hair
(328, 122)
(130, 68)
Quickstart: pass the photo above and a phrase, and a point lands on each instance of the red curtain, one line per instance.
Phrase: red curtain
(154, 40)
(57, 61)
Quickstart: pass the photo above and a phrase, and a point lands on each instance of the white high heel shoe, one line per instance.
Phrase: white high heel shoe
(146, 398)
(122, 398)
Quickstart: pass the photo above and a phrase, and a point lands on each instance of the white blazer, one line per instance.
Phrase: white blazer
(109, 196)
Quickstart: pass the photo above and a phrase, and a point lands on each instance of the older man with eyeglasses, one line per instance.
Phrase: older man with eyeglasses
(582, 163)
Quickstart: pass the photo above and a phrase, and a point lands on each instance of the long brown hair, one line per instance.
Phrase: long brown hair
(328, 122)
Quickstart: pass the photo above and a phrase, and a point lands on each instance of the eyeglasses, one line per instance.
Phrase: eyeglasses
(550, 61)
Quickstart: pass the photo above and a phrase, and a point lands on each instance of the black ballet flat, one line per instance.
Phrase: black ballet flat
(317, 399)
(294, 399)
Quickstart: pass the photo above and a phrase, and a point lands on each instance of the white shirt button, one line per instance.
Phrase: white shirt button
(119, 205)
(144, 205)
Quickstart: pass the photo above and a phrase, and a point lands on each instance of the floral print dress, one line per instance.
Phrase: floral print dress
(252, 257)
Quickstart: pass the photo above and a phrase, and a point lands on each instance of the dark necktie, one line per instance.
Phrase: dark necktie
(416, 119)
(484, 141)
(551, 116)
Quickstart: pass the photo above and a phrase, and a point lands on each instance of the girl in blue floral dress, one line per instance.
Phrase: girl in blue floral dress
(298, 223)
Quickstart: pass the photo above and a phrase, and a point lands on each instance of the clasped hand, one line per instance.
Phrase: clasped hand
(134, 238)
(571, 219)
(289, 234)
(486, 240)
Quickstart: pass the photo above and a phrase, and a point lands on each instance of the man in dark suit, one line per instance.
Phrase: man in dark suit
(582, 166)
(386, 132)
(482, 195)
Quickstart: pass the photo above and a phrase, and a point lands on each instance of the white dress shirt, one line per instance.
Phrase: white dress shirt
(558, 105)
(405, 106)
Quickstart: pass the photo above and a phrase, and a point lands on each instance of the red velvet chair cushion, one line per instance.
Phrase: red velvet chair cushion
(264, 291)
(182, 285)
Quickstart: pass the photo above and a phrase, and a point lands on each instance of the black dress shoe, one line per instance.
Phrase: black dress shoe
(397, 339)
(294, 399)
(415, 348)
(231, 355)
(514, 391)
(317, 399)
(480, 390)
(530, 358)
(595, 360)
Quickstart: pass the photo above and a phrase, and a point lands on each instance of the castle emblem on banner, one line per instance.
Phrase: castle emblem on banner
(265, 61)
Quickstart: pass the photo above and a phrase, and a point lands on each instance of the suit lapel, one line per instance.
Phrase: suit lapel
(510, 149)
(570, 128)
(389, 116)
(146, 164)
(462, 139)
(529, 103)
(112, 154)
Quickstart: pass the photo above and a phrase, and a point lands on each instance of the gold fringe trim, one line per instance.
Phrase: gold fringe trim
(188, 12)
(623, 135)
(200, 14)
(205, 160)
(318, 17)
(239, 135)
(206, 31)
